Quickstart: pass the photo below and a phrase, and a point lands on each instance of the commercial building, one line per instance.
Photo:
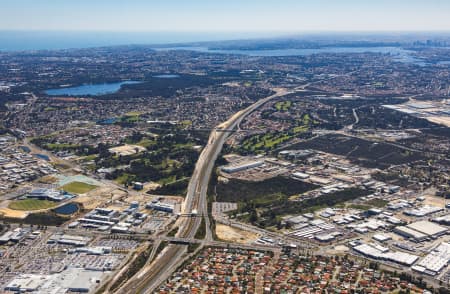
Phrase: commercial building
(26, 283)
(72, 280)
(101, 217)
(382, 253)
(16, 235)
(78, 241)
(48, 194)
(160, 206)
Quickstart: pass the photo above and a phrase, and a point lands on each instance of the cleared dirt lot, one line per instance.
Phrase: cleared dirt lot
(228, 233)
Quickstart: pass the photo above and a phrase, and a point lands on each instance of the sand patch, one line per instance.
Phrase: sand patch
(11, 213)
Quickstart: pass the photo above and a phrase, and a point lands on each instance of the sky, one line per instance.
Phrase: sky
(225, 15)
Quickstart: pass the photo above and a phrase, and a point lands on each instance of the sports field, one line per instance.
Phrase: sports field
(78, 187)
(31, 204)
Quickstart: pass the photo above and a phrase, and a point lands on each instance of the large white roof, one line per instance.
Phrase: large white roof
(427, 228)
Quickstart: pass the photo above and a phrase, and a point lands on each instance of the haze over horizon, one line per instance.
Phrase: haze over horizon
(287, 16)
(45, 24)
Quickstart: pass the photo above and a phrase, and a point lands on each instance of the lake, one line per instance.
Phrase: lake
(90, 89)
(167, 76)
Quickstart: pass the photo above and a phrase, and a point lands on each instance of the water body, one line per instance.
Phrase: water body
(92, 89)
(167, 76)
(25, 149)
(42, 156)
(398, 53)
(67, 209)
(294, 52)
(54, 40)
(108, 121)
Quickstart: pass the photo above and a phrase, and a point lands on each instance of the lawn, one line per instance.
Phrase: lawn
(377, 202)
(31, 204)
(89, 158)
(124, 178)
(78, 187)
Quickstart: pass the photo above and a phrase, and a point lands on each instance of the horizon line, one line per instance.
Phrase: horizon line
(225, 31)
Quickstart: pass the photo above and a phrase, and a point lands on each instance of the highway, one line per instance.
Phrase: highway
(153, 274)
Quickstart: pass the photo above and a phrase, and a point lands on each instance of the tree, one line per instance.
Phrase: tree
(253, 216)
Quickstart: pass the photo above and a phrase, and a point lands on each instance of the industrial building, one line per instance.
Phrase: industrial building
(423, 211)
(383, 253)
(435, 261)
(243, 166)
(300, 176)
(443, 220)
(138, 186)
(315, 229)
(296, 154)
(381, 238)
(421, 230)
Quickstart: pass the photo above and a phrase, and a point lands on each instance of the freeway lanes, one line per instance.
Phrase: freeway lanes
(146, 280)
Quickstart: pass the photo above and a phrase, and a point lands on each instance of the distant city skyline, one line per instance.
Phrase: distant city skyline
(285, 16)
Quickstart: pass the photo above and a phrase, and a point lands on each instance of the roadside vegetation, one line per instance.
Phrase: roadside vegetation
(201, 232)
(133, 268)
(173, 232)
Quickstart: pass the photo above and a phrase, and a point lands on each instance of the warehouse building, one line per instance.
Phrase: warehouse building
(383, 253)
(381, 238)
(423, 211)
(240, 167)
(443, 220)
(421, 230)
(435, 261)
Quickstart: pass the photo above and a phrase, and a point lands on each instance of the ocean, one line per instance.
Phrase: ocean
(44, 40)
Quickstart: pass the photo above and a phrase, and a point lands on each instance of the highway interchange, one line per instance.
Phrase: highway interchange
(194, 209)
